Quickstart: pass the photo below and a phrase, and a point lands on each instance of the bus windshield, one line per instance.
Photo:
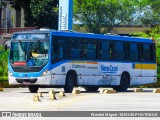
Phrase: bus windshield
(29, 53)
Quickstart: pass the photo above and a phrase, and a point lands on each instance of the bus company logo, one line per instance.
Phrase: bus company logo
(109, 69)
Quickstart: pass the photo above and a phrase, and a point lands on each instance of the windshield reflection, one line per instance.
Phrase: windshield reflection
(29, 53)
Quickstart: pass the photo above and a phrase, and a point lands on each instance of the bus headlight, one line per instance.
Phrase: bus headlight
(44, 73)
(10, 73)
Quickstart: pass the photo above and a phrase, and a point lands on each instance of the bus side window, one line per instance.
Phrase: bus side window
(127, 51)
(134, 52)
(91, 50)
(112, 50)
(147, 48)
(120, 53)
(57, 51)
(84, 50)
(104, 52)
(74, 49)
(145, 52)
(152, 49)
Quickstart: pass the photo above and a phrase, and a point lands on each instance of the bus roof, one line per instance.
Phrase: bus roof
(103, 37)
(89, 35)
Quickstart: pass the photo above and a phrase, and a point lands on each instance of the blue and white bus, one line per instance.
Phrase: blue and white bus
(49, 58)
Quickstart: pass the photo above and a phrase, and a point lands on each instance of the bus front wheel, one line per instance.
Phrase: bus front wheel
(33, 89)
(124, 84)
(68, 88)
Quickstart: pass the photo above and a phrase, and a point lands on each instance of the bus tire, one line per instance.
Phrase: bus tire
(124, 84)
(91, 89)
(69, 85)
(33, 89)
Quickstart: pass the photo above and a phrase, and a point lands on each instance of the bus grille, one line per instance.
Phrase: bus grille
(27, 69)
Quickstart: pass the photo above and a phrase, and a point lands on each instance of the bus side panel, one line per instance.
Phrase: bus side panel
(86, 71)
(112, 71)
(57, 80)
(135, 73)
(148, 74)
(149, 69)
(115, 80)
(143, 80)
(58, 74)
(105, 78)
(83, 80)
(147, 80)
(100, 73)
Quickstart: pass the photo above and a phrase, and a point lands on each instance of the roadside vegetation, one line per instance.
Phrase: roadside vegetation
(3, 66)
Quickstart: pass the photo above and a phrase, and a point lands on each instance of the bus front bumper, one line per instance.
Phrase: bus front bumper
(42, 80)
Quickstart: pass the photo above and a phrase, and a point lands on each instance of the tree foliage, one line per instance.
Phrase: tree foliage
(106, 14)
(97, 16)
(39, 13)
(100, 16)
(149, 12)
(3, 62)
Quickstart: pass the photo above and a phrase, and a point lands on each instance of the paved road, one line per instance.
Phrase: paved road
(20, 99)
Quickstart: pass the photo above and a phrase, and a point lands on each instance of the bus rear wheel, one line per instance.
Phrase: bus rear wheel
(91, 89)
(68, 88)
(33, 89)
(124, 84)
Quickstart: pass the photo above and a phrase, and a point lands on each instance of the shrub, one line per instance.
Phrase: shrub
(3, 64)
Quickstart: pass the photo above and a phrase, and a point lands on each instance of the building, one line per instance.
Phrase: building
(11, 21)
(11, 16)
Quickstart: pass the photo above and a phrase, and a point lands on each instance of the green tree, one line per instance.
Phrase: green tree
(152, 13)
(44, 13)
(149, 11)
(100, 16)
(39, 13)
(3, 63)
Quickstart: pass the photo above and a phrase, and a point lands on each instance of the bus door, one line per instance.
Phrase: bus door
(148, 66)
(106, 52)
(57, 56)
(135, 58)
